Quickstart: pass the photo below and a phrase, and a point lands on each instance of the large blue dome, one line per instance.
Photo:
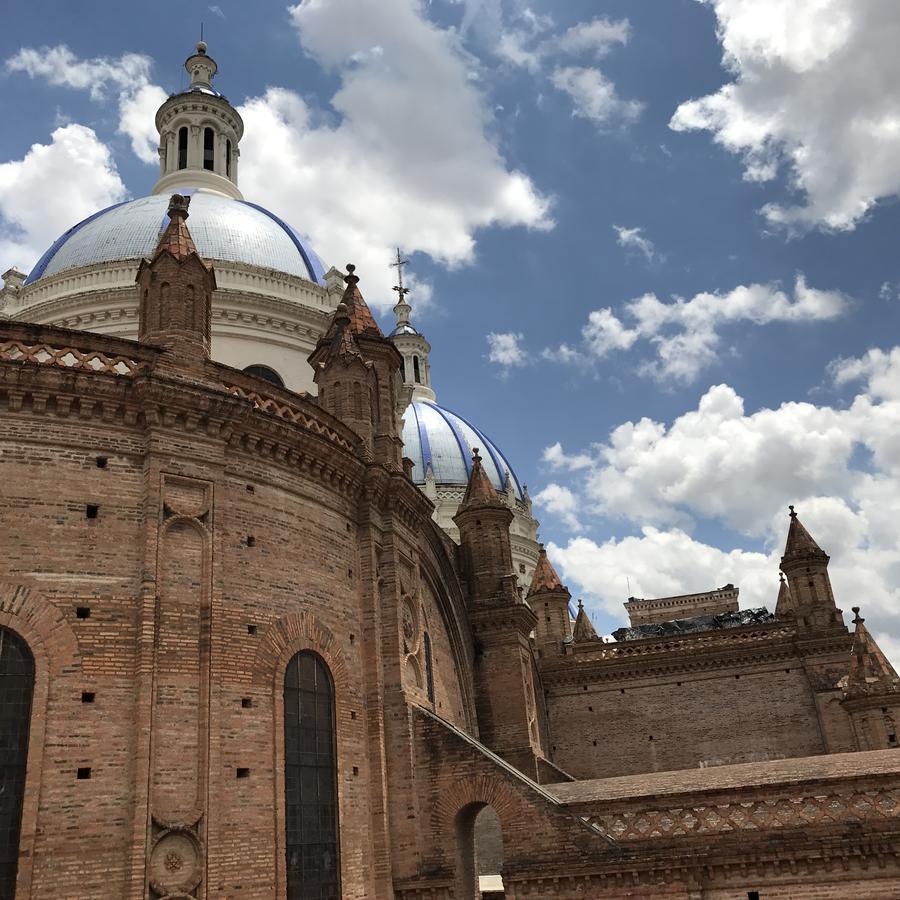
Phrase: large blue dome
(435, 437)
(222, 228)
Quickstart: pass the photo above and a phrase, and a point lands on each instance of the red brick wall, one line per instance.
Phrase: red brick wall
(737, 714)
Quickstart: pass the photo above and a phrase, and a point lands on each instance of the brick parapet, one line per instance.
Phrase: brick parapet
(702, 651)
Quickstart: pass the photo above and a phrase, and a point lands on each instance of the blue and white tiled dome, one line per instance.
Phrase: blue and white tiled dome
(222, 228)
(435, 437)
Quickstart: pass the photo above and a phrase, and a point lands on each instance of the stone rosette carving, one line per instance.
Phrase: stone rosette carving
(176, 863)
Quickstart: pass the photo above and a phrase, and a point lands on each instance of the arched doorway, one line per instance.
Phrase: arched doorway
(479, 853)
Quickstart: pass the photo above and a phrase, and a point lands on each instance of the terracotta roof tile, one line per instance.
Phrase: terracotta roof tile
(545, 580)
(176, 239)
(479, 488)
(584, 629)
(361, 319)
(799, 540)
(870, 671)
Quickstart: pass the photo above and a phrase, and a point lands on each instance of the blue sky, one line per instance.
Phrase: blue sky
(654, 244)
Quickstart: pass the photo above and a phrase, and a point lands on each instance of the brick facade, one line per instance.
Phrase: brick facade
(174, 531)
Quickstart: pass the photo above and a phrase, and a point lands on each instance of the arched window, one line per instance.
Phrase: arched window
(265, 372)
(228, 158)
(416, 374)
(403, 369)
(208, 149)
(429, 667)
(16, 690)
(310, 781)
(182, 147)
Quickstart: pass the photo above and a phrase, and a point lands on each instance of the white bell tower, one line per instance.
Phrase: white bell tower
(412, 345)
(199, 133)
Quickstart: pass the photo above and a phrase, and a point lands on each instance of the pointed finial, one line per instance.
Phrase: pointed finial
(398, 265)
(580, 603)
(350, 278)
(178, 206)
(475, 456)
(857, 618)
(793, 514)
(781, 576)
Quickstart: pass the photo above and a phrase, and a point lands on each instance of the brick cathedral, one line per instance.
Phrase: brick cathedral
(275, 624)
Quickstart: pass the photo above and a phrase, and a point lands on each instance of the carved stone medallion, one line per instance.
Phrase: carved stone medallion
(176, 863)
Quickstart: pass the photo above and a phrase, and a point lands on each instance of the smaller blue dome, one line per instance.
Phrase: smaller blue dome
(442, 440)
(404, 329)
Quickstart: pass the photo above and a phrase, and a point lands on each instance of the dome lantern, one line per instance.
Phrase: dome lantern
(413, 347)
(199, 133)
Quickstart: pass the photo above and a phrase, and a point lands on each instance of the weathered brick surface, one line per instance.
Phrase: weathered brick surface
(682, 721)
(236, 525)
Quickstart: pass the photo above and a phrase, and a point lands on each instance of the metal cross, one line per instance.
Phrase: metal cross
(401, 262)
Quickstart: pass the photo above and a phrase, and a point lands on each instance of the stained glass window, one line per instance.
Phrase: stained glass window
(16, 689)
(310, 772)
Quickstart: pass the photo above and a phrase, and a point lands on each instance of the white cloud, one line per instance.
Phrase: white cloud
(812, 93)
(517, 36)
(53, 186)
(661, 563)
(594, 96)
(604, 332)
(889, 290)
(560, 502)
(598, 36)
(506, 350)
(633, 239)
(137, 120)
(686, 333)
(725, 467)
(217, 11)
(61, 67)
(367, 180)
(879, 370)
(128, 76)
(557, 458)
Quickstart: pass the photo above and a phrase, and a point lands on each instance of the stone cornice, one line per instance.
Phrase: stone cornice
(97, 281)
(114, 380)
(499, 617)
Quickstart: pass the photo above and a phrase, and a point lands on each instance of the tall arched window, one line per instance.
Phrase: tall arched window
(310, 781)
(182, 147)
(16, 690)
(429, 667)
(228, 158)
(416, 375)
(209, 159)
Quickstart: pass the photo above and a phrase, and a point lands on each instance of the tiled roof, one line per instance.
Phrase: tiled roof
(545, 579)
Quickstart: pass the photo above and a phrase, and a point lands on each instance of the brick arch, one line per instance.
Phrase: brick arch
(42, 625)
(288, 636)
(282, 640)
(462, 794)
(457, 811)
